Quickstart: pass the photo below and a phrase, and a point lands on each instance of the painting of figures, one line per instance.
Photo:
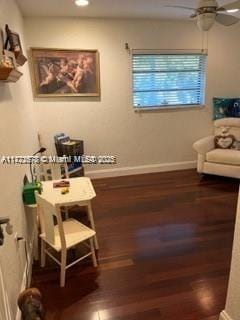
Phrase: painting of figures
(60, 72)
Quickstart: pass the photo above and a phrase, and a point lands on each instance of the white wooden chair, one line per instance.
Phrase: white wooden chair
(63, 236)
(53, 171)
(45, 172)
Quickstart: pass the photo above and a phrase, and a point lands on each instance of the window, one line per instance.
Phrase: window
(168, 80)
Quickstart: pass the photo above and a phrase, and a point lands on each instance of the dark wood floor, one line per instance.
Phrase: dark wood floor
(165, 250)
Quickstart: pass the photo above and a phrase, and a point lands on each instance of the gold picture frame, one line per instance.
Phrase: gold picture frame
(65, 72)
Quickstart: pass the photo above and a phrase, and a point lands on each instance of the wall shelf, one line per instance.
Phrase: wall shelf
(9, 74)
(8, 67)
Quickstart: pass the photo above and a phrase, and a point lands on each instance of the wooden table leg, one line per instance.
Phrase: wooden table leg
(90, 216)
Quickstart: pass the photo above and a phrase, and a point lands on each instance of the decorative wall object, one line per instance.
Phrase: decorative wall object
(8, 67)
(11, 56)
(14, 44)
(226, 107)
(63, 72)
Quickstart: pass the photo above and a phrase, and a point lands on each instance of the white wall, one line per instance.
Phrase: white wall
(110, 126)
(18, 136)
(232, 310)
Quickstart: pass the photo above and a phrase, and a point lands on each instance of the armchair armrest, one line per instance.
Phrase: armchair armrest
(204, 145)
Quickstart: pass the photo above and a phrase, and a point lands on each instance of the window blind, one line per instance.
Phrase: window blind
(168, 80)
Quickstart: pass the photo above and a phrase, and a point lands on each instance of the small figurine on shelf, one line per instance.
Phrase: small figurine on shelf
(5, 62)
(14, 42)
(8, 67)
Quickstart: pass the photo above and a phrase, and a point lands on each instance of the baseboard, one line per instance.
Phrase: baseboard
(126, 171)
(26, 280)
(224, 316)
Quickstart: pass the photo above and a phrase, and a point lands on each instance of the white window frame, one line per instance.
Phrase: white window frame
(170, 52)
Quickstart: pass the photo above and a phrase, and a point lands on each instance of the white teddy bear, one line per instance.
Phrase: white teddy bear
(225, 140)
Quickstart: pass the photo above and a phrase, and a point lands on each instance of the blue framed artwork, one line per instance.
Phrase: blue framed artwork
(226, 108)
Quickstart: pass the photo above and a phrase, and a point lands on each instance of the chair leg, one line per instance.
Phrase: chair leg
(90, 216)
(65, 212)
(94, 259)
(43, 253)
(63, 268)
(202, 176)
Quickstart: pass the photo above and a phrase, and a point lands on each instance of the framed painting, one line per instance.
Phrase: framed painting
(226, 108)
(65, 72)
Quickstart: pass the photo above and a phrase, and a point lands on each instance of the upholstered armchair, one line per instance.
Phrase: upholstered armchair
(223, 161)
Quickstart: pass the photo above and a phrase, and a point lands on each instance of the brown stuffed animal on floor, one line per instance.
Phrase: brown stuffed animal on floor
(29, 302)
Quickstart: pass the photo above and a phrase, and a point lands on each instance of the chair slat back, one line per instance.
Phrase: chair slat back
(43, 172)
(53, 171)
(59, 171)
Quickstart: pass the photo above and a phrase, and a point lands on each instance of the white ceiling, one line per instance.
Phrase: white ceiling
(109, 8)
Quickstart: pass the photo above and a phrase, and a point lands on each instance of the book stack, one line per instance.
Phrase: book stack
(70, 147)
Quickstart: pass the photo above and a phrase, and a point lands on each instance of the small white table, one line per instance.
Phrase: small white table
(81, 192)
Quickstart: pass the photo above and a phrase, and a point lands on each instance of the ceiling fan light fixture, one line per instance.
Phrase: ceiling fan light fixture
(82, 3)
(207, 3)
(232, 10)
(205, 21)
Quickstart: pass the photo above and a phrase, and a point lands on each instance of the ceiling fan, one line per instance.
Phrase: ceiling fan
(208, 11)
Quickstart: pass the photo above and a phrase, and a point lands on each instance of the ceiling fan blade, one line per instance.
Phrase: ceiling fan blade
(226, 19)
(181, 7)
(230, 6)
